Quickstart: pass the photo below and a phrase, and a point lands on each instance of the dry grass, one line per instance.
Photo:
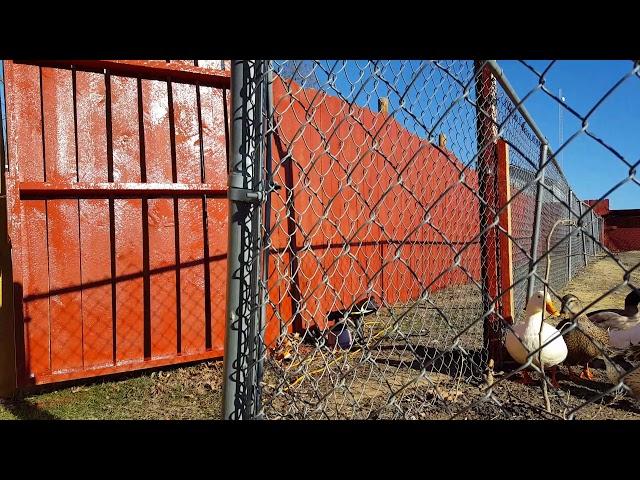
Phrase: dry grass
(188, 392)
(602, 275)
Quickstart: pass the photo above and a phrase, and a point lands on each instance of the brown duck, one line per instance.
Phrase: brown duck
(632, 377)
(585, 342)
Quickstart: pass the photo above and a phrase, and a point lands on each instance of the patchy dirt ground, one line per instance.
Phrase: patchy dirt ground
(522, 401)
(577, 397)
(195, 391)
(436, 384)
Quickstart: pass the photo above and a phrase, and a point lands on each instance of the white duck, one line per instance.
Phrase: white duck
(528, 337)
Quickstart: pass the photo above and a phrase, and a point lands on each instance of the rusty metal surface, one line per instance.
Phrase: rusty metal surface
(117, 214)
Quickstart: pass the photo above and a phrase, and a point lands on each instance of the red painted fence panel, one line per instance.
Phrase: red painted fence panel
(107, 277)
(326, 251)
(110, 278)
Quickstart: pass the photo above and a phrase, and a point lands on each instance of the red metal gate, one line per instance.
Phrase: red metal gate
(116, 198)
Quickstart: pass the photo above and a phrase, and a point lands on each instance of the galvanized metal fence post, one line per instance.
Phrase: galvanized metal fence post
(535, 236)
(266, 185)
(601, 233)
(600, 239)
(593, 233)
(242, 343)
(584, 239)
(569, 253)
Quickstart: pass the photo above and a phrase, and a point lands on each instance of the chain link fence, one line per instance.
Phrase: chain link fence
(389, 220)
(557, 202)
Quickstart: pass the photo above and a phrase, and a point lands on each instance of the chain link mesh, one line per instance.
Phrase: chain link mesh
(382, 233)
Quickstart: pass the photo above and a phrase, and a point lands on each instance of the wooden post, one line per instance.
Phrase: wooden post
(487, 132)
(383, 105)
(442, 140)
(506, 253)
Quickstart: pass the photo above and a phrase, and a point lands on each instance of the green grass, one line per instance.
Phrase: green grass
(191, 392)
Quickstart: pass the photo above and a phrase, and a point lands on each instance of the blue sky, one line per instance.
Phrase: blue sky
(426, 93)
(590, 168)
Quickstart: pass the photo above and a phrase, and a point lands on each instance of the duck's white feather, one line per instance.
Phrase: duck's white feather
(625, 338)
(529, 334)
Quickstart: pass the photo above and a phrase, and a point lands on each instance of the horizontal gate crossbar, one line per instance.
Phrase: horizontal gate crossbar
(151, 69)
(122, 367)
(49, 190)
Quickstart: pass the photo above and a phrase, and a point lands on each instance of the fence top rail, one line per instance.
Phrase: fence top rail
(513, 96)
(511, 93)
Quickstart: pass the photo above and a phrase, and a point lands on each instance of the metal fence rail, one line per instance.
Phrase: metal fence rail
(372, 279)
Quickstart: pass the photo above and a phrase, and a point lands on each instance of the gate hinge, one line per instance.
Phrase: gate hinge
(250, 196)
(245, 195)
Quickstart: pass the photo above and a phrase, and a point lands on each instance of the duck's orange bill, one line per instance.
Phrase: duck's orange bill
(551, 308)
